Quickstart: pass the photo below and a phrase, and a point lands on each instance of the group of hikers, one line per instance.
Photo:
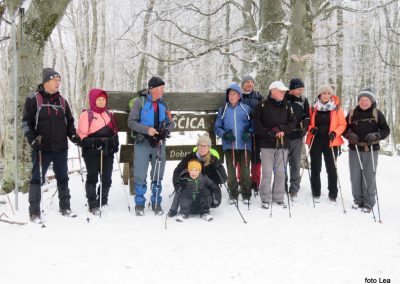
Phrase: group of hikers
(261, 137)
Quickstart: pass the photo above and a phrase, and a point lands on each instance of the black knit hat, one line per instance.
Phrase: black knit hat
(155, 82)
(295, 83)
(49, 74)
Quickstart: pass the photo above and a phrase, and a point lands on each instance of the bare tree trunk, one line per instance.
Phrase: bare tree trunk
(102, 44)
(141, 80)
(339, 54)
(38, 23)
(300, 45)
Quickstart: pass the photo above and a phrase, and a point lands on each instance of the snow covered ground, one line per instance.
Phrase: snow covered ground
(316, 245)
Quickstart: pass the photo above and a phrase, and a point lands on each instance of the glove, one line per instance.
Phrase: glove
(75, 139)
(332, 135)
(353, 138)
(372, 137)
(313, 130)
(37, 143)
(228, 136)
(87, 142)
(246, 136)
(163, 134)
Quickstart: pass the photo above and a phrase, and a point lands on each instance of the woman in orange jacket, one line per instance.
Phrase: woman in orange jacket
(98, 131)
(327, 123)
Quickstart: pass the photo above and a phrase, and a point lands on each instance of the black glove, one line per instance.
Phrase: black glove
(246, 136)
(115, 142)
(164, 134)
(332, 135)
(313, 130)
(372, 137)
(353, 138)
(37, 143)
(228, 136)
(75, 139)
(87, 142)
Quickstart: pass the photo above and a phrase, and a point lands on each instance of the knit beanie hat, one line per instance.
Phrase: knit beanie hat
(155, 82)
(246, 78)
(49, 74)
(325, 89)
(367, 92)
(194, 164)
(295, 83)
(204, 139)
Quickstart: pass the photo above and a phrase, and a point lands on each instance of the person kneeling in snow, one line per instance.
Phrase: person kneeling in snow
(196, 193)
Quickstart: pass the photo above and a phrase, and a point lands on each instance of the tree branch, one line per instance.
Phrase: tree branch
(193, 8)
(381, 56)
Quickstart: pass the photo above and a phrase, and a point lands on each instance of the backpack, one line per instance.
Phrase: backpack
(373, 118)
(131, 103)
(40, 104)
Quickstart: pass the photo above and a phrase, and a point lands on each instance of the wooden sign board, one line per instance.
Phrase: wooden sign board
(173, 152)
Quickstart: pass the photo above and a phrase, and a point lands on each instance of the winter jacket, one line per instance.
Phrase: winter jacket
(337, 123)
(235, 118)
(97, 128)
(271, 117)
(301, 110)
(252, 99)
(55, 123)
(363, 123)
(142, 118)
(202, 187)
(214, 170)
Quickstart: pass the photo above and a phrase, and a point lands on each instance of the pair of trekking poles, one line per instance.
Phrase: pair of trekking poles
(308, 155)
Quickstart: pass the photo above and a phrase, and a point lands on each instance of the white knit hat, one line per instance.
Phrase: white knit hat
(204, 139)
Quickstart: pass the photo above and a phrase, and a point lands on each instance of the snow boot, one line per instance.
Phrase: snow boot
(157, 209)
(293, 197)
(68, 213)
(181, 217)
(265, 205)
(139, 210)
(207, 217)
(281, 203)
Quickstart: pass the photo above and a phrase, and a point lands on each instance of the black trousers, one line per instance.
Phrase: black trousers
(321, 147)
(92, 162)
(60, 168)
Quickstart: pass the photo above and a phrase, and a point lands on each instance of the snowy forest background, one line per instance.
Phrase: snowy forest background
(197, 45)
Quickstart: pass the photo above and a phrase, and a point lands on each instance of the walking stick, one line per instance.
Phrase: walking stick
(157, 168)
(82, 181)
(285, 171)
(376, 189)
(101, 178)
(309, 165)
(122, 178)
(363, 175)
(338, 181)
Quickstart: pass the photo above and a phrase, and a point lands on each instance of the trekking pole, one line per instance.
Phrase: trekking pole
(273, 184)
(233, 155)
(285, 171)
(309, 166)
(376, 188)
(338, 181)
(363, 175)
(40, 182)
(101, 178)
(157, 168)
(230, 197)
(82, 181)
(122, 178)
(253, 163)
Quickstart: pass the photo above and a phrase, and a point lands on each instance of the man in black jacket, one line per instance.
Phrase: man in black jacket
(300, 106)
(273, 120)
(47, 122)
(366, 126)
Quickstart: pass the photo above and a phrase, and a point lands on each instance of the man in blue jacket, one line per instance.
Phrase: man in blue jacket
(152, 123)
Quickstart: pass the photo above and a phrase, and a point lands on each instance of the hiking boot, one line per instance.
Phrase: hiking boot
(207, 217)
(281, 203)
(265, 205)
(246, 201)
(317, 199)
(332, 201)
(232, 201)
(181, 217)
(366, 210)
(95, 211)
(171, 213)
(293, 196)
(67, 213)
(139, 210)
(356, 206)
(35, 219)
(157, 209)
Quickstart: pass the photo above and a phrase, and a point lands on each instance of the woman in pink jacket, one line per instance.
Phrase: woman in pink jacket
(98, 132)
